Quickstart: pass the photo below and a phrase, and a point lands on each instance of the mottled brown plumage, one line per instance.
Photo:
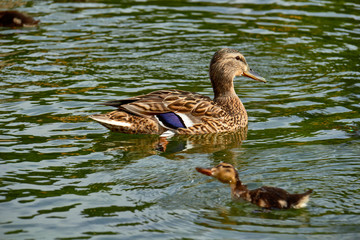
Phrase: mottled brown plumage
(16, 19)
(194, 113)
(265, 197)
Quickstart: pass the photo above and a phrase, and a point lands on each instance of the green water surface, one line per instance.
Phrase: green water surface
(63, 176)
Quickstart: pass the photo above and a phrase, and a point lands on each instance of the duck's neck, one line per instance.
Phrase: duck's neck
(238, 190)
(222, 83)
(225, 95)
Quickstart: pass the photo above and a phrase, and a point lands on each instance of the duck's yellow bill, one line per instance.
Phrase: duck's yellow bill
(251, 74)
(205, 171)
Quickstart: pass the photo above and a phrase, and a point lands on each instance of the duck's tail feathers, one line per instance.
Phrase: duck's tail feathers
(120, 121)
(111, 124)
(303, 199)
(308, 192)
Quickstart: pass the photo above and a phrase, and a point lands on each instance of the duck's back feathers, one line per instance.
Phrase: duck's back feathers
(273, 197)
(118, 103)
(164, 101)
(269, 197)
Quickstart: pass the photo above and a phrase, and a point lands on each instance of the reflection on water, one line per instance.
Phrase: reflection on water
(65, 176)
(140, 146)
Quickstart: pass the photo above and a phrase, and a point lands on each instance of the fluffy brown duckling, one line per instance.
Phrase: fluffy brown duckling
(16, 19)
(265, 197)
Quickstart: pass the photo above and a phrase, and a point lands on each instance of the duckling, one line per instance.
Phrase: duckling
(264, 197)
(16, 19)
(173, 111)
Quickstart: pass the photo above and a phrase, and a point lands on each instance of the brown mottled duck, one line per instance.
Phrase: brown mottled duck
(265, 197)
(168, 112)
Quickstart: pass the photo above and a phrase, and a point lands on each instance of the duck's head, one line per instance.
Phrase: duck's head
(225, 65)
(224, 172)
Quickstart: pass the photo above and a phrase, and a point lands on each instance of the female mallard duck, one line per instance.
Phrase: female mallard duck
(181, 112)
(265, 197)
(16, 19)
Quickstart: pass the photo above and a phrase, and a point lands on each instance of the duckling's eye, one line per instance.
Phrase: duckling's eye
(226, 166)
(238, 58)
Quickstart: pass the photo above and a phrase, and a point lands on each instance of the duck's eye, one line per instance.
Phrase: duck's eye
(238, 58)
(226, 166)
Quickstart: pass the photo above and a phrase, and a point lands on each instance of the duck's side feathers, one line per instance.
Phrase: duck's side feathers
(283, 203)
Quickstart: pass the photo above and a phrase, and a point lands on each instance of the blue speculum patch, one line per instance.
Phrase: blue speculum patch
(171, 120)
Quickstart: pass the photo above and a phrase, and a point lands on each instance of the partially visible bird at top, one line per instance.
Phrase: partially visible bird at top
(12, 18)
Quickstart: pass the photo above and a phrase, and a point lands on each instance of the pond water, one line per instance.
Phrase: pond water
(63, 176)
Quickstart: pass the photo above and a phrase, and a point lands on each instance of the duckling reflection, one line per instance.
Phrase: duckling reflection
(265, 197)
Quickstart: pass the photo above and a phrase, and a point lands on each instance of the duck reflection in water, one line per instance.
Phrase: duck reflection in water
(146, 145)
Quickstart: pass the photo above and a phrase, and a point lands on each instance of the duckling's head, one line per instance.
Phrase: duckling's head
(224, 66)
(224, 172)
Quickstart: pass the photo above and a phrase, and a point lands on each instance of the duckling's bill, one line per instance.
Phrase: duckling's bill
(205, 171)
(251, 74)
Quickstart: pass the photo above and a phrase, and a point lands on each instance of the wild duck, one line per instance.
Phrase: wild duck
(168, 112)
(265, 197)
(16, 19)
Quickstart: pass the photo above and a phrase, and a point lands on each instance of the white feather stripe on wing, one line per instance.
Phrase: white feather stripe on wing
(111, 122)
(186, 120)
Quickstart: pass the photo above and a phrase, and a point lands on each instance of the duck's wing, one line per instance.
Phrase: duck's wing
(173, 108)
